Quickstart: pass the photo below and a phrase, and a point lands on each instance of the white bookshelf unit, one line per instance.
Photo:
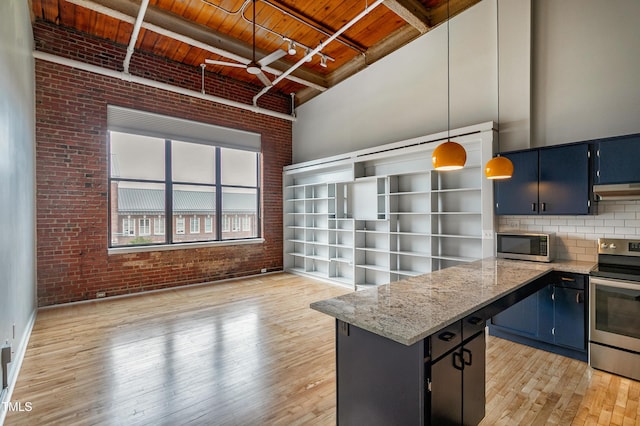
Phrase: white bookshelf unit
(383, 214)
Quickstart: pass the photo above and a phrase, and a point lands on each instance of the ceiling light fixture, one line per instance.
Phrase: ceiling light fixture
(449, 155)
(498, 167)
(323, 61)
(291, 50)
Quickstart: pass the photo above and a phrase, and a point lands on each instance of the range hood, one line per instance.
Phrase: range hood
(622, 191)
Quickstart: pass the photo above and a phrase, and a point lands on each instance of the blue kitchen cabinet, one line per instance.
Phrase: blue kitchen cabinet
(553, 319)
(617, 160)
(521, 318)
(519, 195)
(548, 181)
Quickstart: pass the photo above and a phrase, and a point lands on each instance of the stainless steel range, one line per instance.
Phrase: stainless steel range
(614, 330)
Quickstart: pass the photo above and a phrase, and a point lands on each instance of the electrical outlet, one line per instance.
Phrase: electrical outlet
(513, 223)
(101, 294)
(263, 270)
(487, 234)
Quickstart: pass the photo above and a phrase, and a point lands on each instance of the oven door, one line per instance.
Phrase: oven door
(615, 313)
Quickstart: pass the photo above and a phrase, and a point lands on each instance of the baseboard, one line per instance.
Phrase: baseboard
(16, 363)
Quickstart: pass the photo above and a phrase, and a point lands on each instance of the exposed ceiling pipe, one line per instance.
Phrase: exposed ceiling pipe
(134, 34)
(158, 85)
(185, 39)
(321, 46)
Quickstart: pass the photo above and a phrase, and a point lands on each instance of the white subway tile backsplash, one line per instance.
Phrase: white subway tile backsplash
(577, 236)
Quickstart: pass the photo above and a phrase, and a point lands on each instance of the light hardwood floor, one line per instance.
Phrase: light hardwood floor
(251, 352)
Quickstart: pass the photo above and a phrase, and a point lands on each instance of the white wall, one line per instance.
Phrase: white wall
(17, 172)
(586, 59)
(404, 95)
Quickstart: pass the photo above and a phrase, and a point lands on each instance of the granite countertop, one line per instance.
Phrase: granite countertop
(407, 311)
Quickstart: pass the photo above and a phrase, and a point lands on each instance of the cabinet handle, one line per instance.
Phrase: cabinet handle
(458, 358)
(578, 298)
(543, 207)
(475, 320)
(447, 336)
(568, 279)
(553, 295)
(467, 352)
(533, 207)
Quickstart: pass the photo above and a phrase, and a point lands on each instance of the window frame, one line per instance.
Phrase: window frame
(168, 183)
(194, 225)
(146, 227)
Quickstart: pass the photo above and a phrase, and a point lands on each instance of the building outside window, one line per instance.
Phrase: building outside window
(158, 225)
(246, 223)
(180, 225)
(208, 225)
(144, 226)
(194, 224)
(129, 227)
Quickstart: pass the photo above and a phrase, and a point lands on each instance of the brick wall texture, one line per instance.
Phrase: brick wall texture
(72, 175)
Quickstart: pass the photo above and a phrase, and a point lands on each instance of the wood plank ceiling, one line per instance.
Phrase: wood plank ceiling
(193, 31)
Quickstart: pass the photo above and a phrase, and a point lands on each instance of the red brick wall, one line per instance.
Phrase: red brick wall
(71, 167)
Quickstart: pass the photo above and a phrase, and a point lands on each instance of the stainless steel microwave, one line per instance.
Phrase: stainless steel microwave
(526, 246)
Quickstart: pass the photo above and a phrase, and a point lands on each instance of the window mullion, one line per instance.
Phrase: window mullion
(168, 191)
(218, 197)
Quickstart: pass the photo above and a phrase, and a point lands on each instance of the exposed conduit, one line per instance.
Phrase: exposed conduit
(185, 39)
(158, 85)
(321, 46)
(134, 34)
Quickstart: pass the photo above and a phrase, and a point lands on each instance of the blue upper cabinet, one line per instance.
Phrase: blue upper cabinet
(519, 195)
(548, 181)
(617, 160)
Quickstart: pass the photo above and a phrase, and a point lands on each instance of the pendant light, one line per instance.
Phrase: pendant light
(498, 168)
(449, 155)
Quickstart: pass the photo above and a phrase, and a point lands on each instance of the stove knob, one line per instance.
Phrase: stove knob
(612, 246)
(604, 245)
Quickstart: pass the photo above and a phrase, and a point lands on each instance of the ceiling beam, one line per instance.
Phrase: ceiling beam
(449, 9)
(413, 13)
(235, 49)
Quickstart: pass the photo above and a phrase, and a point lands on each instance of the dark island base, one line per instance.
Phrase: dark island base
(439, 380)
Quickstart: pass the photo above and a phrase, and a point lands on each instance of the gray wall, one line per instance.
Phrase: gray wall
(17, 176)
(568, 72)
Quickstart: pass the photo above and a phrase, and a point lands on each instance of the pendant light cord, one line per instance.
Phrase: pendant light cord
(448, 77)
(498, 67)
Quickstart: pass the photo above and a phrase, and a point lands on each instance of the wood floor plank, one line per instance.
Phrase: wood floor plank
(250, 351)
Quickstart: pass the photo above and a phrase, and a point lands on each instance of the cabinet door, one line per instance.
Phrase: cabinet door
(446, 389)
(519, 195)
(521, 318)
(563, 186)
(569, 318)
(546, 314)
(618, 160)
(473, 380)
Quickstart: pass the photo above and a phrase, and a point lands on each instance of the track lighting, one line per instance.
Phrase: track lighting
(291, 50)
(323, 61)
(306, 52)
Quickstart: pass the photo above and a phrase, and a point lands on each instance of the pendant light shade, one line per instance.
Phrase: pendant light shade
(499, 168)
(449, 156)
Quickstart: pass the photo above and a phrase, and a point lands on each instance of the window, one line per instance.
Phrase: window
(157, 178)
(144, 226)
(180, 225)
(158, 225)
(194, 225)
(128, 227)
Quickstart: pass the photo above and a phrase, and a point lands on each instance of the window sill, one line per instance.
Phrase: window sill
(182, 246)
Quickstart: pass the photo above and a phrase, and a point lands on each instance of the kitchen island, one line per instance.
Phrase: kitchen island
(412, 352)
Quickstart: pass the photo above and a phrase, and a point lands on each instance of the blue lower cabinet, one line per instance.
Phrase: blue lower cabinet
(553, 319)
